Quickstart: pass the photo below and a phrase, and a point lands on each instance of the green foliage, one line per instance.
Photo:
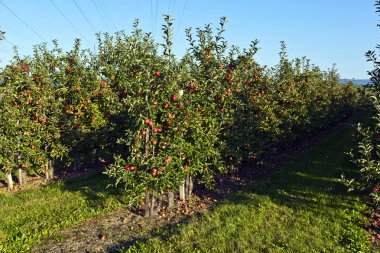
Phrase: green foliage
(302, 207)
(156, 120)
(366, 152)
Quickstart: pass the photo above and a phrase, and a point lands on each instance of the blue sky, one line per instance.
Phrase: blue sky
(325, 31)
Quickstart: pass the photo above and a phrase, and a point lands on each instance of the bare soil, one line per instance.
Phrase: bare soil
(123, 227)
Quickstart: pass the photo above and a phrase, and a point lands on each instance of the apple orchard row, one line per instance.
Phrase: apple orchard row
(157, 122)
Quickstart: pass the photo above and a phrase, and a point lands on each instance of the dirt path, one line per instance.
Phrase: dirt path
(121, 228)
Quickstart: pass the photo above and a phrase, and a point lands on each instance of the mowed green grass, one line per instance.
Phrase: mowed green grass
(29, 216)
(302, 207)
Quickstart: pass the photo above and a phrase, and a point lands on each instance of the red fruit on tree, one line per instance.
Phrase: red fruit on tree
(25, 67)
(376, 188)
(150, 123)
(154, 142)
(373, 239)
(147, 121)
(180, 105)
(173, 97)
(167, 159)
(157, 73)
(154, 171)
(165, 105)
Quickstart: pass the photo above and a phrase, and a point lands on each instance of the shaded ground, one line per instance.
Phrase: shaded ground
(122, 228)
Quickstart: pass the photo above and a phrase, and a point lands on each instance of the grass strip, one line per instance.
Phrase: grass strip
(302, 207)
(32, 215)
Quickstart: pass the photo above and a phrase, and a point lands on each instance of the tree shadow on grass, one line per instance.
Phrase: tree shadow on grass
(95, 188)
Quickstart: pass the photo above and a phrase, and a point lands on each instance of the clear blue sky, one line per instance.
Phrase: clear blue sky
(325, 31)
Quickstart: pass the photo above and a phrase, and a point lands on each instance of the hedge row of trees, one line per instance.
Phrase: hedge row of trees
(366, 152)
(156, 121)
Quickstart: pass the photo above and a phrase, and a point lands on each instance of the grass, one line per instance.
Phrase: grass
(32, 215)
(302, 207)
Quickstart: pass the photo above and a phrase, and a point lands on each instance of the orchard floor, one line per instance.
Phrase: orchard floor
(295, 203)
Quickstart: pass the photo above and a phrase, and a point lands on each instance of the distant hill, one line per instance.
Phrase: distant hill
(357, 81)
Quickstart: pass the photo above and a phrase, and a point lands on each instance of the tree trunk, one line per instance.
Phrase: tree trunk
(76, 164)
(146, 207)
(94, 157)
(20, 176)
(47, 175)
(182, 192)
(170, 199)
(51, 169)
(9, 180)
(189, 187)
(152, 211)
